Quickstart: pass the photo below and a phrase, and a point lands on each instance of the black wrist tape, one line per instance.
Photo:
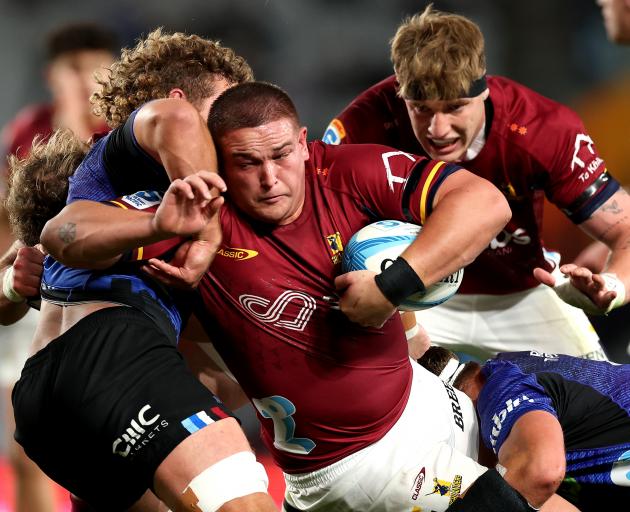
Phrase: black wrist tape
(398, 281)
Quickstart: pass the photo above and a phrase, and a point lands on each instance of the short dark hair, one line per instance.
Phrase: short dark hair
(80, 36)
(435, 359)
(249, 105)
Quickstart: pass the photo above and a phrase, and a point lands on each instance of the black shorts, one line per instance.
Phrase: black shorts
(100, 407)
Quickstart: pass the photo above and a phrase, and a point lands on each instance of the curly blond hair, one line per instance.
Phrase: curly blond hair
(437, 55)
(160, 63)
(38, 183)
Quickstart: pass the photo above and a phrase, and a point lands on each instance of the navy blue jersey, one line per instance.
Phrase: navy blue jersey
(124, 283)
(591, 400)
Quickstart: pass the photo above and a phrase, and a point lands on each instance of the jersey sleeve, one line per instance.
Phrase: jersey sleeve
(578, 181)
(128, 166)
(506, 396)
(392, 184)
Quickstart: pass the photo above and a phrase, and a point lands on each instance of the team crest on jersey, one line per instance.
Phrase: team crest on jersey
(144, 199)
(236, 253)
(335, 132)
(336, 246)
(444, 488)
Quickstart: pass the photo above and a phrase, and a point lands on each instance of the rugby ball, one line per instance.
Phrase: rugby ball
(377, 245)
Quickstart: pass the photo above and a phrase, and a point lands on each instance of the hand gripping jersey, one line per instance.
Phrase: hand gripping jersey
(534, 146)
(591, 400)
(324, 387)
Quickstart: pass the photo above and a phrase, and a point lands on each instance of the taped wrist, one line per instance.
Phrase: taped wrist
(7, 287)
(491, 492)
(399, 281)
(571, 295)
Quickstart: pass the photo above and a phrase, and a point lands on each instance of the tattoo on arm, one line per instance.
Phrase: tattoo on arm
(68, 232)
(612, 207)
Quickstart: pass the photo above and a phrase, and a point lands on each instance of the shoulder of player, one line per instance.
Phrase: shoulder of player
(537, 125)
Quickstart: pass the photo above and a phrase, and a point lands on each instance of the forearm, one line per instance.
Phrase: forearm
(173, 132)
(464, 221)
(87, 234)
(610, 224)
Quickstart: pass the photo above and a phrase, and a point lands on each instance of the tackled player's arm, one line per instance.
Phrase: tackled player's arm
(468, 212)
(172, 131)
(533, 455)
(87, 234)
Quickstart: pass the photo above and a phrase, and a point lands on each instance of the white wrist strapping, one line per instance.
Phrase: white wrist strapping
(412, 331)
(7, 286)
(571, 295)
(233, 477)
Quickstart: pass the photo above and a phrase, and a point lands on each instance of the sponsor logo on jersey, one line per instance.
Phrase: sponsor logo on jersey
(499, 418)
(510, 235)
(417, 484)
(620, 473)
(444, 488)
(335, 132)
(546, 356)
(336, 246)
(391, 177)
(458, 417)
(583, 152)
(274, 313)
(141, 430)
(144, 199)
(236, 253)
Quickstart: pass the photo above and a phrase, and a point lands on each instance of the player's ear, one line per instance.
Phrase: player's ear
(302, 142)
(177, 93)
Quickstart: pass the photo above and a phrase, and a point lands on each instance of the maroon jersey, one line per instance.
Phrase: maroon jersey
(324, 387)
(18, 135)
(534, 146)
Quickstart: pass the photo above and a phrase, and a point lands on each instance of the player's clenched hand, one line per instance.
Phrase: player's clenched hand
(189, 204)
(596, 294)
(361, 300)
(27, 271)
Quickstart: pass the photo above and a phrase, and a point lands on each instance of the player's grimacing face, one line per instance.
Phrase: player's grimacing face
(446, 128)
(264, 167)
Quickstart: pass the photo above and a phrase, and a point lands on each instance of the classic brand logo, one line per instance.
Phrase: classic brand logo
(417, 484)
(136, 435)
(236, 253)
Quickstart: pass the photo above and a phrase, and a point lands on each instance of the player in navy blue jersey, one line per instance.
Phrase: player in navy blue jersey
(106, 366)
(557, 423)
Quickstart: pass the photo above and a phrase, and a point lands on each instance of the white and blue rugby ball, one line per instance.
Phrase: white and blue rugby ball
(385, 240)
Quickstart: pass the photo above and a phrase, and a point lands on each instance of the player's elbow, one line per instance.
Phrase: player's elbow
(539, 479)
(162, 118)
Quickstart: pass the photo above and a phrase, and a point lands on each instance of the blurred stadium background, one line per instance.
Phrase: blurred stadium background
(323, 52)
